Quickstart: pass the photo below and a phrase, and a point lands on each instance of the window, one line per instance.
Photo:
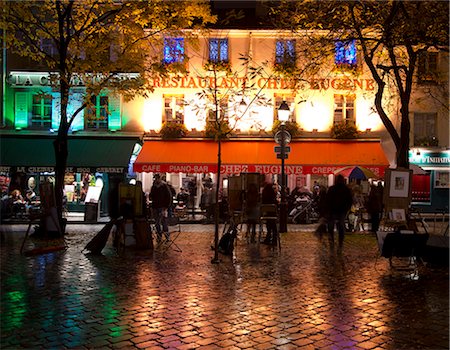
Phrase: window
(41, 115)
(345, 53)
(427, 65)
(173, 108)
(173, 50)
(425, 129)
(96, 114)
(223, 110)
(289, 100)
(344, 109)
(218, 50)
(285, 52)
(48, 47)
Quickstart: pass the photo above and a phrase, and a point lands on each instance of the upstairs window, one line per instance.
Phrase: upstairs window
(41, 111)
(47, 46)
(173, 109)
(427, 66)
(290, 102)
(425, 129)
(344, 109)
(345, 53)
(285, 52)
(173, 50)
(96, 114)
(218, 50)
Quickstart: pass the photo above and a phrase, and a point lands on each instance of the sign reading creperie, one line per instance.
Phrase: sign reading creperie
(233, 169)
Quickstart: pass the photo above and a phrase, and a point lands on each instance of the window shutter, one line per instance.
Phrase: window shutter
(114, 121)
(75, 102)
(21, 110)
(56, 111)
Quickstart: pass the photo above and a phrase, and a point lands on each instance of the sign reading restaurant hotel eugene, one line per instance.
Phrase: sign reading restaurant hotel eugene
(33, 79)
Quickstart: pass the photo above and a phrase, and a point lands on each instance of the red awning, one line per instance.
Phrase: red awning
(305, 157)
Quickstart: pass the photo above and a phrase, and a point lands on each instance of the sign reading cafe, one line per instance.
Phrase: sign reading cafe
(32, 79)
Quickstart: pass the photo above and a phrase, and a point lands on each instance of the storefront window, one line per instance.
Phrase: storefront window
(41, 116)
(421, 188)
(441, 179)
(344, 109)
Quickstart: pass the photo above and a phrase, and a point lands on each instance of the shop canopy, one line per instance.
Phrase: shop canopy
(305, 157)
(36, 154)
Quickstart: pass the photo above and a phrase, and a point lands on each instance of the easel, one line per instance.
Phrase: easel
(400, 237)
(47, 218)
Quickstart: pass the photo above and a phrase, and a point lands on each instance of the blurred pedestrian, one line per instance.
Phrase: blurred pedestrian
(339, 201)
(269, 196)
(252, 210)
(161, 198)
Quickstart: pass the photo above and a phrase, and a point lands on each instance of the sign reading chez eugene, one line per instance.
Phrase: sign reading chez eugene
(231, 169)
(194, 82)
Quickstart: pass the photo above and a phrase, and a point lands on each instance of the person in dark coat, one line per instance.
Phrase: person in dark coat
(252, 210)
(375, 206)
(339, 200)
(269, 196)
(161, 198)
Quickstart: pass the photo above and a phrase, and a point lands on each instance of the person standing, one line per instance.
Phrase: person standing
(375, 207)
(269, 196)
(339, 201)
(252, 210)
(161, 198)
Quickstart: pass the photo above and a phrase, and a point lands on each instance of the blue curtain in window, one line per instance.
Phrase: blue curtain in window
(173, 50)
(345, 52)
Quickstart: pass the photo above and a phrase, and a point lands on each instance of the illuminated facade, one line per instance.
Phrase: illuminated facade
(333, 111)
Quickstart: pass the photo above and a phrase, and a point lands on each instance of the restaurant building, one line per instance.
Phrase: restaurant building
(332, 114)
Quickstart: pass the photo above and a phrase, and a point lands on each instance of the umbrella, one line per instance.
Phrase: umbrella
(356, 172)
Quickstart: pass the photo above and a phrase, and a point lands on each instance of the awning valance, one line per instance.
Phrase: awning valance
(305, 157)
(36, 154)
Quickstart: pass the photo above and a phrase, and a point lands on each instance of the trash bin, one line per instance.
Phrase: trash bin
(143, 234)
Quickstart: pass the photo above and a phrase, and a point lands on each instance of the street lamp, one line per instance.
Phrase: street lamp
(283, 117)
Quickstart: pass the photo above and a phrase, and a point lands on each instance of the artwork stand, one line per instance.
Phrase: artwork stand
(397, 196)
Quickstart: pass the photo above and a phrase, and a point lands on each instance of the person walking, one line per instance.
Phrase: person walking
(339, 201)
(161, 198)
(269, 196)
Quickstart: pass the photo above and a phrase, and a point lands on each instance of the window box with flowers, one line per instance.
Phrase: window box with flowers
(222, 66)
(285, 68)
(290, 126)
(344, 131)
(215, 131)
(172, 130)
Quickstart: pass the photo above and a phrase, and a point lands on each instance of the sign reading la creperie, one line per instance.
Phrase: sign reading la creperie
(195, 82)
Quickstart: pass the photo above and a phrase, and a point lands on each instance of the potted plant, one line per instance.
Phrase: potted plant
(290, 126)
(172, 130)
(344, 131)
(215, 130)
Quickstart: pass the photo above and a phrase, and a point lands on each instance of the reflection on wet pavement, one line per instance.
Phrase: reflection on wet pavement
(304, 296)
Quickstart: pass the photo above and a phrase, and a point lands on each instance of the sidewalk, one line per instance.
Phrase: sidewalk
(306, 296)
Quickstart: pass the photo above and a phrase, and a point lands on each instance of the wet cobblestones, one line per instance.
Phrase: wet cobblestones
(305, 296)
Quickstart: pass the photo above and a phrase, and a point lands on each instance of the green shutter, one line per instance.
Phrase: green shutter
(114, 122)
(56, 111)
(21, 110)
(75, 102)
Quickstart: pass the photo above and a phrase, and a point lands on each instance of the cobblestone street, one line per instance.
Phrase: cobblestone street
(305, 296)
